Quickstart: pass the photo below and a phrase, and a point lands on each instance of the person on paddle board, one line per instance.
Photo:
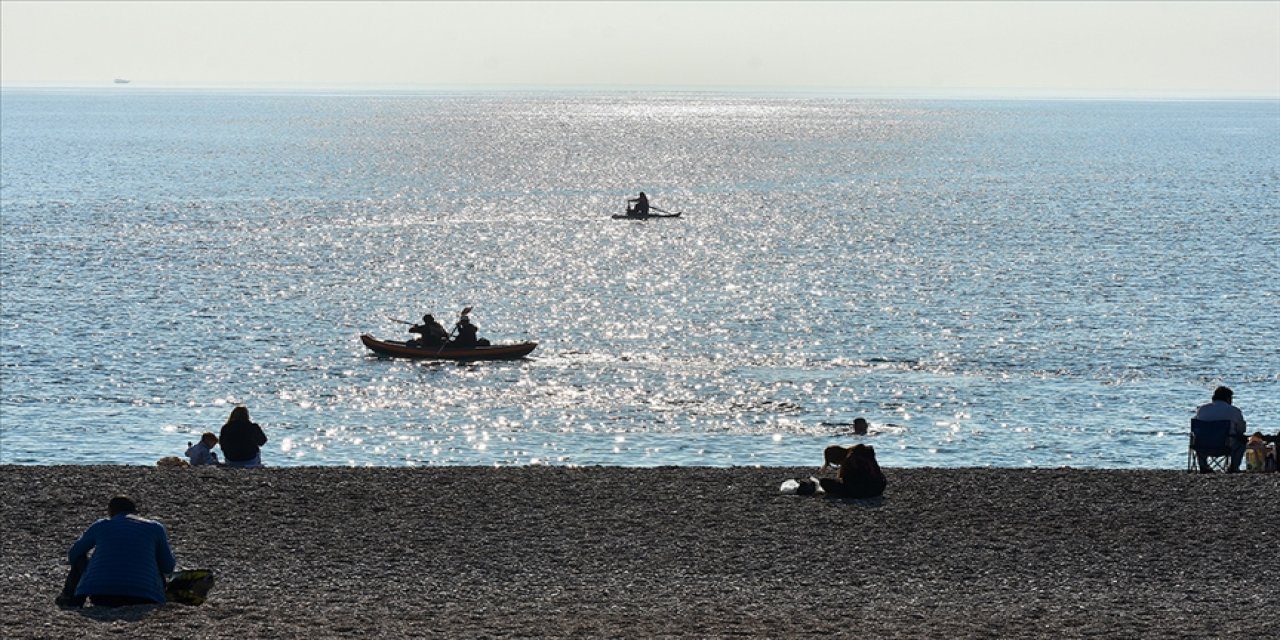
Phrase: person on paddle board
(641, 207)
(432, 332)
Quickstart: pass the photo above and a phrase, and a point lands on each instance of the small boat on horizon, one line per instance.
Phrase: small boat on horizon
(121, 81)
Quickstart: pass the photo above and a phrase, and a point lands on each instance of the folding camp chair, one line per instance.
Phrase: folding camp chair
(1211, 439)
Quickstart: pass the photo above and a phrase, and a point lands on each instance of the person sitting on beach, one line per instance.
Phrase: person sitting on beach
(242, 440)
(1272, 462)
(832, 456)
(201, 453)
(1260, 452)
(431, 332)
(467, 331)
(130, 557)
(640, 207)
(859, 476)
(1221, 409)
(1255, 454)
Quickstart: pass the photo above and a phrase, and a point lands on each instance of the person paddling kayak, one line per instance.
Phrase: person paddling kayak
(466, 333)
(432, 332)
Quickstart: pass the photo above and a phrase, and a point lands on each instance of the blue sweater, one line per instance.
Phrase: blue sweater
(131, 553)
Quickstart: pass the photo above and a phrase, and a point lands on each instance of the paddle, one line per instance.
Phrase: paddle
(400, 321)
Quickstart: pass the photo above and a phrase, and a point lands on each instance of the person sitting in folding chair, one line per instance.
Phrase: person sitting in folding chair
(1221, 409)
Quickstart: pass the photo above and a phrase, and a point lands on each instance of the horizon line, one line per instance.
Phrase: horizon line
(875, 92)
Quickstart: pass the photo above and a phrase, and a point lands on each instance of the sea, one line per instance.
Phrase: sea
(991, 283)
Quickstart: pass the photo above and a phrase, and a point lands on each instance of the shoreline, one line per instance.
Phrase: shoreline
(480, 552)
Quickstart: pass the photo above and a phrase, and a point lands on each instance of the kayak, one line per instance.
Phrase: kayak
(631, 216)
(448, 352)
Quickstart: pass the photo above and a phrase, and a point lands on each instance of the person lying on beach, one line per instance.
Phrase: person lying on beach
(859, 476)
(201, 453)
(130, 557)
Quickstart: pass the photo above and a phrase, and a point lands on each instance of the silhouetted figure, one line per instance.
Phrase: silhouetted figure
(432, 333)
(466, 334)
(241, 440)
(860, 426)
(859, 476)
(832, 456)
(641, 206)
(1221, 409)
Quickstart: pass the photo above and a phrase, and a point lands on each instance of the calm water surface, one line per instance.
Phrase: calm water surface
(1017, 284)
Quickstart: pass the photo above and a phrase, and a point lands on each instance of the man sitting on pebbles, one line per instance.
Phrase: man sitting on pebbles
(130, 556)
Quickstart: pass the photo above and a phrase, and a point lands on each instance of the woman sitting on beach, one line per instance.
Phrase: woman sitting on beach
(859, 476)
(241, 440)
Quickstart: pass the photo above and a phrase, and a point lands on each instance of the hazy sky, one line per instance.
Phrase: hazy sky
(1103, 48)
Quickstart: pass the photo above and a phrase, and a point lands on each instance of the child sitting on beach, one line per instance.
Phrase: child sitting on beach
(201, 453)
(859, 476)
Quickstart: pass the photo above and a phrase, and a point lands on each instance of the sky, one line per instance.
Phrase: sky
(1157, 49)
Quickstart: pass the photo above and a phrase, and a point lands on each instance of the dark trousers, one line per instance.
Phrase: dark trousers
(78, 567)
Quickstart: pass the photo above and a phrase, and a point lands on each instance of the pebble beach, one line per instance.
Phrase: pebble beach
(601, 552)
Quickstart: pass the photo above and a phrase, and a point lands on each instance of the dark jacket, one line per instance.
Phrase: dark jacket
(431, 332)
(129, 555)
(240, 441)
(466, 335)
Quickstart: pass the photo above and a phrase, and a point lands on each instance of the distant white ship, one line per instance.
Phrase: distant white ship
(121, 81)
